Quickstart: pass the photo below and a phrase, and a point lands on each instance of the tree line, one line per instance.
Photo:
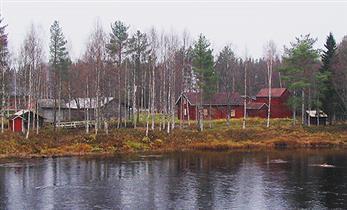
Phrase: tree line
(149, 70)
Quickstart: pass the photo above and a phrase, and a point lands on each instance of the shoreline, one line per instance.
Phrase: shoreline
(131, 141)
(161, 152)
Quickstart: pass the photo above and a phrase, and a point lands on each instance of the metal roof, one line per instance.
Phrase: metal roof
(313, 113)
(216, 99)
(275, 92)
(255, 105)
(87, 103)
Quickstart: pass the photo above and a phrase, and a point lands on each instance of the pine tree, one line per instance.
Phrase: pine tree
(327, 98)
(138, 49)
(59, 61)
(3, 64)
(203, 67)
(299, 61)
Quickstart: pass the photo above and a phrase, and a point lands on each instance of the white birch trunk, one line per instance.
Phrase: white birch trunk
(245, 98)
(84, 104)
(270, 64)
(3, 99)
(119, 99)
(59, 101)
(153, 96)
(302, 107)
(29, 103)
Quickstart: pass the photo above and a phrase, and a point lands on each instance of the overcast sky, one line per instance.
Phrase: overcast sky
(245, 24)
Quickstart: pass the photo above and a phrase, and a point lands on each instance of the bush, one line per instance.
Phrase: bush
(146, 140)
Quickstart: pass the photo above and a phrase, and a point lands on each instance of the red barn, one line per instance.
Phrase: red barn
(279, 98)
(188, 103)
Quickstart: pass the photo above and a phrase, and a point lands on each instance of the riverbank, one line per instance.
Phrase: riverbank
(126, 140)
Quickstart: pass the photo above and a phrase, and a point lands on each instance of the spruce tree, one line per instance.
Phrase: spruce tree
(203, 68)
(59, 61)
(327, 98)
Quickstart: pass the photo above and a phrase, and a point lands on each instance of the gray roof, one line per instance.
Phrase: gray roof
(49, 103)
(87, 103)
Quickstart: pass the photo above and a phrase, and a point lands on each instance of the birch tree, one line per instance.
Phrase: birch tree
(32, 58)
(96, 57)
(3, 66)
(270, 53)
(154, 45)
(245, 94)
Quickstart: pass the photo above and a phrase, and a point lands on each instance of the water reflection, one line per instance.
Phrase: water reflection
(247, 180)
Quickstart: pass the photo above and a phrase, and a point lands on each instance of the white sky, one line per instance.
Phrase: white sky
(246, 24)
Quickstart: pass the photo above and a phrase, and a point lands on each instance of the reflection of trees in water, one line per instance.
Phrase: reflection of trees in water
(179, 181)
(3, 188)
(331, 182)
(307, 185)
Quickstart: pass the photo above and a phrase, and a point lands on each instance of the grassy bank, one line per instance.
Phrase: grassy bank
(220, 137)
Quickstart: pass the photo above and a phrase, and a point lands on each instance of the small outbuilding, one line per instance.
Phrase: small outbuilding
(18, 122)
(255, 109)
(314, 118)
(15, 123)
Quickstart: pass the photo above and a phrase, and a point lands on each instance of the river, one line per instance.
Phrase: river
(287, 179)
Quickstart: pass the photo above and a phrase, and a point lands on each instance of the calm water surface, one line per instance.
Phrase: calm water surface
(224, 180)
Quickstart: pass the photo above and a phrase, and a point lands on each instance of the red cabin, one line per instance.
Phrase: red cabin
(16, 123)
(188, 103)
(279, 98)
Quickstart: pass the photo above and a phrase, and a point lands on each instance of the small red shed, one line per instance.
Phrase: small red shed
(16, 123)
(255, 109)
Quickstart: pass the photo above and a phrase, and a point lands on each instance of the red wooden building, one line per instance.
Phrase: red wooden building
(279, 98)
(255, 109)
(16, 123)
(188, 103)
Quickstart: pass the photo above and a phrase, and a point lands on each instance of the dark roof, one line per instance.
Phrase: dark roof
(216, 99)
(255, 105)
(275, 92)
(49, 103)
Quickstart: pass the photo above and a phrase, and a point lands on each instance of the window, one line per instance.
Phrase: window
(232, 113)
(205, 112)
(185, 112)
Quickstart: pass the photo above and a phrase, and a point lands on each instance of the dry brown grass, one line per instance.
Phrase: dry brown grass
(75, 142)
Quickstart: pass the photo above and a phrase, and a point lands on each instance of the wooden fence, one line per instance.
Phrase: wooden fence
(75, 124)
